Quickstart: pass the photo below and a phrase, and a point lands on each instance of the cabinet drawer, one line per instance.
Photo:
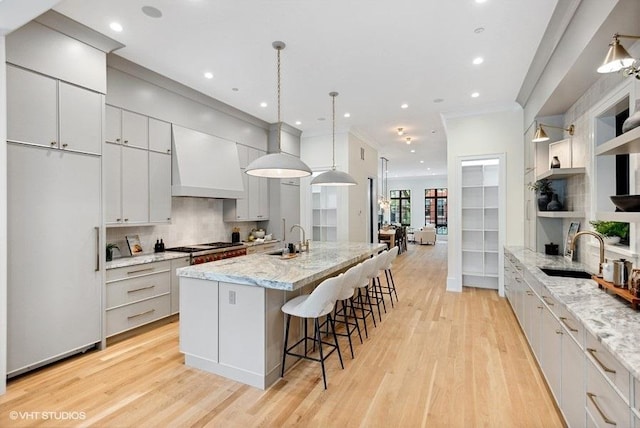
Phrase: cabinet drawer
(137, 314)
(570, 324)
(608, 366)
(138, 270)
(604, 404)
(139, 288)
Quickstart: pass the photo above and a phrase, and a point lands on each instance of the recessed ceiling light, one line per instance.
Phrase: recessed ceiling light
(235, 89)
(481, 1)
(298, 122)
(405, 105)
(421, 161)
(151, 12)
(413, 150)
(438, 100)
(347, 115)
(263, 104)
(428, 169)
(115, 26)
(475, 95)
(478, 30)
(478, 60)
(208, 75)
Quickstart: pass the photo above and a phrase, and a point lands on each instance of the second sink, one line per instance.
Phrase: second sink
(566, 273)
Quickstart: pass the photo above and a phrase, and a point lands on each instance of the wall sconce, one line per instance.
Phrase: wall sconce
(619, 59)
(541, 136)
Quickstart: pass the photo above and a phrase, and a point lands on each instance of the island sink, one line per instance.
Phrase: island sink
(566, 273)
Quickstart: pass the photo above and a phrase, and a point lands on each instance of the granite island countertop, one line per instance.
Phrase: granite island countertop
(608, 318)
(269, 271)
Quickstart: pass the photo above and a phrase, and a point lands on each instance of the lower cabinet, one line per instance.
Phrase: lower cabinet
(550, 350)
(175, 282)
(137, 295)
(604, 405)
(573, 389)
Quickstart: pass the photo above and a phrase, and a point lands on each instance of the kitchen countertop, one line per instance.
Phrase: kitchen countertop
(609, 319)
(270, 271)
(143, 259)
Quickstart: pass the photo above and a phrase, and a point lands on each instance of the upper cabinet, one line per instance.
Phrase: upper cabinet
(254, 206)
(159, 136)
(69, 117)
(127, 128)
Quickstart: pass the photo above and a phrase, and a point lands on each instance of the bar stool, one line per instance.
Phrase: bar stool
(363, 299)
(370, 272)
(350, 281)
(390, 288)
(374, 277)
(319, 303)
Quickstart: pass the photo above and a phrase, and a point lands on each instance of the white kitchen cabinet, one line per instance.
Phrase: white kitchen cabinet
(175, 282)
(135, 130)
(53, 272)
(605, 406)
(550, 351)
(126, 185)
(159, 187)
(112, 164)
(533, 320)
(254, 206)
(113, 124)
(135, 185)
(137, 295)
(47, 112)
(159, 136)
(573, 382)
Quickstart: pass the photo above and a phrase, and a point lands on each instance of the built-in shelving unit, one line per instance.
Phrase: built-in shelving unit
(627, 143)
(480, 224)
(561, 214)
(559, 173)
(324, 201)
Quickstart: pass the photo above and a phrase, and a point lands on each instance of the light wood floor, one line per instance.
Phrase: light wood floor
(437, 359)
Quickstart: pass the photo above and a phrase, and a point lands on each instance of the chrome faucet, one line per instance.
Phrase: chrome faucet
(600, 240)
(304, 245)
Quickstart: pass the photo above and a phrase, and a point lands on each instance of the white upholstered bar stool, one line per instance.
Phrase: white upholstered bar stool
(373, 275)
(390, 287)
(363, 299)
(319, 303)
(344, 310)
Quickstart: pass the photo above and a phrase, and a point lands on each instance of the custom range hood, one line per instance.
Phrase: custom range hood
(204, 166)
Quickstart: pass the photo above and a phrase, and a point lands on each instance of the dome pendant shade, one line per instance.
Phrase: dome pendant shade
(617, 58)
(540, 135)
(334, 177)
(278, 165)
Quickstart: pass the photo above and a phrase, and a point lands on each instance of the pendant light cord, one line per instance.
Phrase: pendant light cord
(278, 49)
(333, 144)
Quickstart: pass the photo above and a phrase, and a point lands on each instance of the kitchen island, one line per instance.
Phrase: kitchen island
(230, 318)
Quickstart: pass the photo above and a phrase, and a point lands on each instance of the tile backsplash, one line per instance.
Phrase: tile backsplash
(194, 221)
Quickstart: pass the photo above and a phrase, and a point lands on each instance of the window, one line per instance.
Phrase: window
(435, 209)
(400, 207)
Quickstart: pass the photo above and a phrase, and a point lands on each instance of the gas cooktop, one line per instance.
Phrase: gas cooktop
(203, 247)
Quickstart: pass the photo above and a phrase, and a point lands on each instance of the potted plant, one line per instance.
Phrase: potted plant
(544, 190)
(109, 253)
(612, 231)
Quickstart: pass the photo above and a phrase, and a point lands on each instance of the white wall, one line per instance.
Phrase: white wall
(361, 170)
(417, 185)
(3, 219)
(482, 134)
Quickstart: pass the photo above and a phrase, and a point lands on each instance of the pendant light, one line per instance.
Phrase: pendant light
(278, 165)
(334, 177)
(383, 201)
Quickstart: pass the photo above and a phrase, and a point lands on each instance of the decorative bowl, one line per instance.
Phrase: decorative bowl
(258, 233)
(627, 203)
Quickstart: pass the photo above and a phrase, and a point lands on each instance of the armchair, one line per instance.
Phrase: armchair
(425, 235)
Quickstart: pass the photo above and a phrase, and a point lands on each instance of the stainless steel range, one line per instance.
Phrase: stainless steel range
(211, 251)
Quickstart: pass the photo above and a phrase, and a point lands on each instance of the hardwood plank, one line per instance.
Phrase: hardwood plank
(436, 359)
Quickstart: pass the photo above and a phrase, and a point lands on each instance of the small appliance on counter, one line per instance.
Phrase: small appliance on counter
(235, 235)
(551, 249)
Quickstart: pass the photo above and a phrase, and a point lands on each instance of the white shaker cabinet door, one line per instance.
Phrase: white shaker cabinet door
(31, 108)
(113, 124)
(159, 187)
(135, 130)
(80, 119)
(159, 136)
(54, 279)
(135, 185)
(112, 164)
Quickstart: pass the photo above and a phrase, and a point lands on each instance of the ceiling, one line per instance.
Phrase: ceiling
(377, 54)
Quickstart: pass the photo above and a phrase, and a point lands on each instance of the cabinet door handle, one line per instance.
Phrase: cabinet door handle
(529, 293)
(126, 219)
(53, 144)
(559, 332)
(547, 301)
(540, 307)
(118, 219)
(604, 417)
(605, 368)
(64, 145)
(139, 270)
(141, 314)
(97, 229)
(126, 141)
(117, 140)
(169, 151)
(564, 321)
(141, 289)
